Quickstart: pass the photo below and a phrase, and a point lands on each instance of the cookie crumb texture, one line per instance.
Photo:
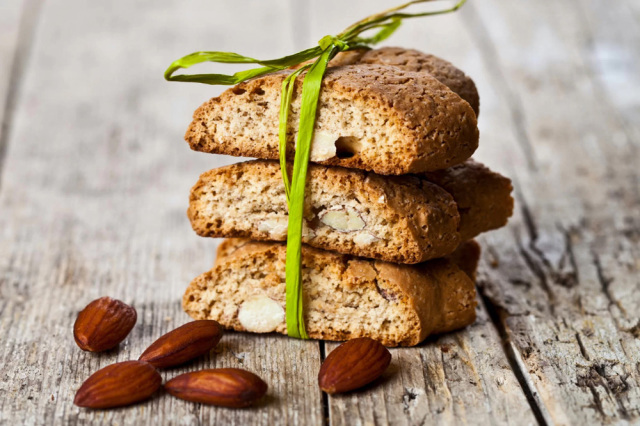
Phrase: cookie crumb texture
(417, 220)
(374, 117)
(344, 297)
(483, 197)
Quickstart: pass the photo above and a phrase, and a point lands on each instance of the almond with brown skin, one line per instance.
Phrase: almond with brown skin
(118, 384)
(352, 365)
(183, 344)
(227, 387)
(103, 324)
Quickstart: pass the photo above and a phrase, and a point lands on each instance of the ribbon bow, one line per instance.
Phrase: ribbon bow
(328, 47)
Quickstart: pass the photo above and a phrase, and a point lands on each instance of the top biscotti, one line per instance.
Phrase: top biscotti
(379, 118)
(413, 60)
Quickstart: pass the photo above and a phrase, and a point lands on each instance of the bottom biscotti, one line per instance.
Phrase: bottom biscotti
(344, 297)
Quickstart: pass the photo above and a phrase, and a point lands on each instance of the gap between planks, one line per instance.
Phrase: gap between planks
(574, 272)
(497, 315)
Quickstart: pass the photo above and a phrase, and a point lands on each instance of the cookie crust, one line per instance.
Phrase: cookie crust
(345, 297)
(373, 117)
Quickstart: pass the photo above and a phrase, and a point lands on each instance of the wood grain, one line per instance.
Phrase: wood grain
(9, 24)
(16, 28)
(95, 180)
(459, 378)
(93, 203)
(565, 272)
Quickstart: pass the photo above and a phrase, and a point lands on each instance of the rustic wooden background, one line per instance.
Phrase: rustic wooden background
(95, 176)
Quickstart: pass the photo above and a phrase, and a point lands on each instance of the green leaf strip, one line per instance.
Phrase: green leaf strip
(309, 103)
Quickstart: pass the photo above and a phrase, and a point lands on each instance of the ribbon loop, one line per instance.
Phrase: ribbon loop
(329, 41)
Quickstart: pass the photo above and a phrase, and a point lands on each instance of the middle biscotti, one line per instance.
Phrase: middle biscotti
(400, 219)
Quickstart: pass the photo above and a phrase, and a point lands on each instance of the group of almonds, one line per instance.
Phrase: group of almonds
(106, 322)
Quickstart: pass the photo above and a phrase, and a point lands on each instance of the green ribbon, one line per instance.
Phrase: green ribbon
(385, 24)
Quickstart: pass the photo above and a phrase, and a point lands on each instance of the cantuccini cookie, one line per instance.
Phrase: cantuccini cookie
(401, 219)
(467, 257)
(483, 197)
(414, 60)
(379, 118)
(344, 297)
(355, 212)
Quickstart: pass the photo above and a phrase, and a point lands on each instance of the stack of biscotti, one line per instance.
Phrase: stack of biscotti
(393, 202)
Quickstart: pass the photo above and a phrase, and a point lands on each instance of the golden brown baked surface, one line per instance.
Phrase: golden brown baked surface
(400, 219)
(374, 117)
(416, 61)
(467, 257)
(396, 219)
(483, 197)
(345, 297)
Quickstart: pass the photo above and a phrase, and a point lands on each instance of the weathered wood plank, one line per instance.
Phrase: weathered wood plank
(9, 24)
(609, 42)
(11, 56)
(93, 203)
(566, 270)
(464, 377)
(100, 210)
(459, 378)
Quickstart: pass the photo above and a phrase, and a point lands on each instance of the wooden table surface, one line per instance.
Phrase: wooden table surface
(95, 178)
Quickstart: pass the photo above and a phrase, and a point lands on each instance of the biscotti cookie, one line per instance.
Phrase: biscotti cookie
(373, 117)
(466, 256)
(483, 197)
(414, 60)
(400, 219)
(220, 209)
(344, 297)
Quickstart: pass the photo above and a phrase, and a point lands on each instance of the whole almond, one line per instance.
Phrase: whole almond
(227, 387)
(352, 365)
(118, 384)
(103, 324)
(183, 344)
